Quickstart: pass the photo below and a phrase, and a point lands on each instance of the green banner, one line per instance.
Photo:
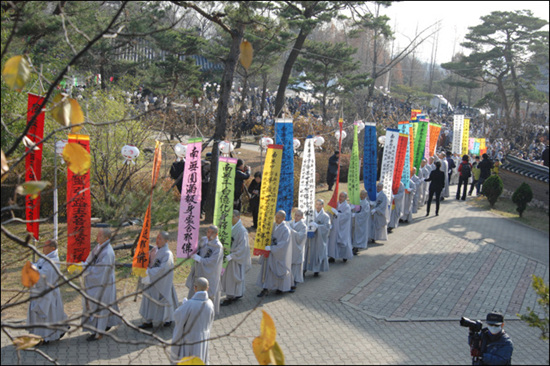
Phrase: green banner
(353, 174)
(223, 208)
(420, 143)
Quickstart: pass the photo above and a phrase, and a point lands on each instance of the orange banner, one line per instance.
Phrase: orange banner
(435, 130)
(141, 255)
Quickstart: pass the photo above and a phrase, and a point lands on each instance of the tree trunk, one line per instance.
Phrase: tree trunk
(264, 92)
(221, 116)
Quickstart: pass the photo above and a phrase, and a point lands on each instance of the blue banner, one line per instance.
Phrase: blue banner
(284, 135)
(406, 176)
(369, 160)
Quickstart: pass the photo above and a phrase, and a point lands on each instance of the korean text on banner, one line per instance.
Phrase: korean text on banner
(190, 203)
(435, 130)
(33, 161)
(79, 209)
(306, 193)
(388, 160)
(457, 133)
(284, 135)
(353, 175)
(370, 160)
(141, 255)
(334, 199)
(223, 208)
(465, 136)
(268, 198)
(406, 175)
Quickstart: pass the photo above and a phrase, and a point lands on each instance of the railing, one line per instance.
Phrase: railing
(526, 168)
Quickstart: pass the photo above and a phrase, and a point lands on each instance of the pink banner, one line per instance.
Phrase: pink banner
(190, 207)
(427, 145)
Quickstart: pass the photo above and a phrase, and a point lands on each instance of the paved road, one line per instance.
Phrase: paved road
(396, 303)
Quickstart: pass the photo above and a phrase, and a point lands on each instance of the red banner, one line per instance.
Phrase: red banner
(399, 161)
(334, 199)
(79, 209)
(33, 162)
(435, 129)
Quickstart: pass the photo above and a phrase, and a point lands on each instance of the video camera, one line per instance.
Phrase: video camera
(477, 341)
(474, 325)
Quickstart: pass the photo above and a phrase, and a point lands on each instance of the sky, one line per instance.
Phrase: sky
(455, 17)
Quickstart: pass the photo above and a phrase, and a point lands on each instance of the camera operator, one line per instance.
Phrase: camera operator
(495, 347)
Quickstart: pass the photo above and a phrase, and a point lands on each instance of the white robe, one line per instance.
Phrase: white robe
(275, 273)
(409, 199)
(454, 177)
(232, 282)
(210, 267)
(317, 245)
(379, 221)
(299, 232)
(99, 283)
(193, 322)
(47, 309)
(397, 209)
(362, 230)
(160, 300)
(425, 185)
(339, 241)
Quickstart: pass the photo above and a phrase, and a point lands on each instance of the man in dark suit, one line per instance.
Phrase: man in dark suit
(437, 183)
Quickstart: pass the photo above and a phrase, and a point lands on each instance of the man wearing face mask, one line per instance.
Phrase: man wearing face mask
(496, 345)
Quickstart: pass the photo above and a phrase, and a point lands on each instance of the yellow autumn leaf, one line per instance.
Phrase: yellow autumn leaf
(16, 72)
(61, 110)
(27, 341)
(191, 360)
(32, 188)
(74, 268)
(276, 355)
(29, 275)
(246, 54)
(77, 158)
(262, 356)
(268, 332)
(76, 116)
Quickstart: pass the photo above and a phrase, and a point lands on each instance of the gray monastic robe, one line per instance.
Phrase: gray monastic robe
(99, 283)
(362, 231)
(379, 222)
(339, 241)
(417, 194)
(160, 300)
(193, 321)
(425, 185)
(232, 282)
(398, 209)
(445, 169)
(299, 234)
(277, 266)
(316, 251)
(47, 309)
(210, 267)
(409, 198)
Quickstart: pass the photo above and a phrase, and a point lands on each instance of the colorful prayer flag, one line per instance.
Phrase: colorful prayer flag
(388, 160)
(435, 130)
(370, 160)
(223, 208)
(284, 135)
(457, 133)
(465, 136)
(353, 174)
(306, 193)
(406, 169)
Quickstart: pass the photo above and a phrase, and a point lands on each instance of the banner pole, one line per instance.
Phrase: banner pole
(55, 202)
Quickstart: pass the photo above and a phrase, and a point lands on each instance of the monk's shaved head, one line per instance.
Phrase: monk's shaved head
(201, 284)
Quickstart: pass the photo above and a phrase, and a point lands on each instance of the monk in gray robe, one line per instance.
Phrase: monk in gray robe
(430, 166)
(339, 242)
(193, 322)
(208, 264)
(398, 204)
(409, 198)
(298, 231)
(445, 169)
(99, 283)
(275, 273)
(418, 191)
(378, 212)
(363, 225)
(159, 297)
(317, 241)
(46, 309)
(238, 262)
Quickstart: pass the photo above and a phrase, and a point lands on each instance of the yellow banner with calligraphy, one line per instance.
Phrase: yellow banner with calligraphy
(465, 136)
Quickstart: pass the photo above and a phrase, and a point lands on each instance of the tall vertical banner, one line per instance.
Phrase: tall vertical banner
(457, 133)
(334, 199)
(388, 160)
(471, 142)
(33, 162)
(353, 174)
(190, 203)
(477, 145)
(306, 193)
(223, 208)
(420, 143)
(141, 255)
(435, 130)
(465, 136)
(79, 209)
(482, 146)
(284, 135)
(406, 169)
(427, 143)
(268, 198)
(370, 160)
(400, 158)
(411, 146)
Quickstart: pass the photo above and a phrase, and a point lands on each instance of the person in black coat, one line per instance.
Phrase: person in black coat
(485, 167)
(176, 173)
(332, 170)
(242, 173)
(254, 188)
(437, 183)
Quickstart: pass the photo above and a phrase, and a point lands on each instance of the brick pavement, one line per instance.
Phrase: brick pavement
(375, 309)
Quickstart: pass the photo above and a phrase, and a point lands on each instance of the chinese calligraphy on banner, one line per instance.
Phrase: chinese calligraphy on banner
(79, 209)
(353, 175)
(388, 160)
(141, 255)
(268, 198)
(33, 162)
(427, 142)
(370, 160)
(435, 130)
(223, 208)
(465, 136)
(411, 146)
(190, 204)
(284, 135)
(457, 133)
(306, 194)
(400, 157)
(406, 169)
(420, 143)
